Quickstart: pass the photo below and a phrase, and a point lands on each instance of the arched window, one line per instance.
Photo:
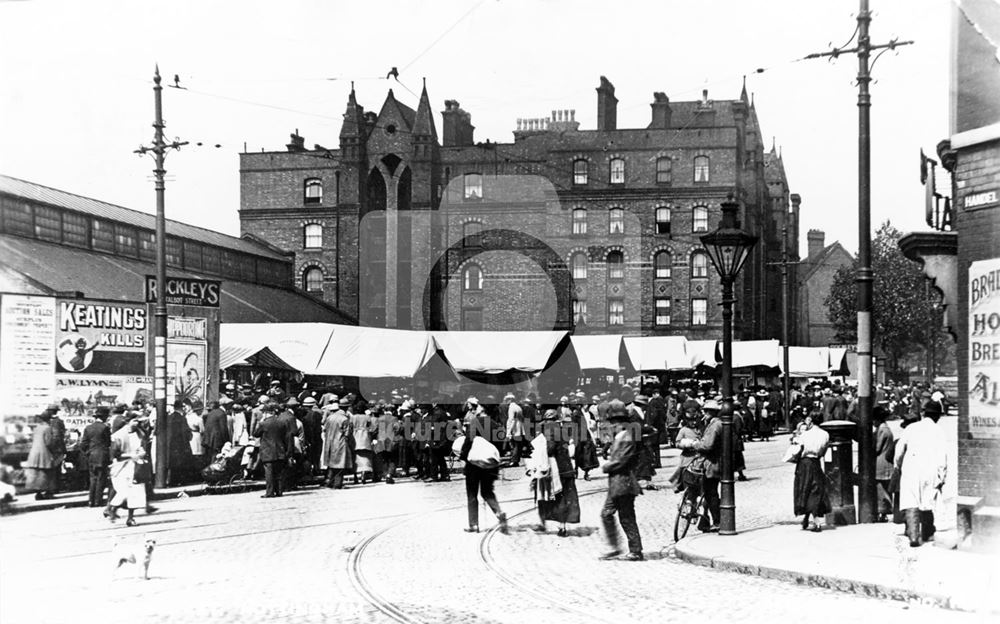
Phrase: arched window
(473, 186)
(616, 221)
(616, 265)
(663, 220)
(313, 280)
(472, 278)
(661, 264)
(579, 264)
(579, 221)
(699, 219)
(617, 171)
(472, 234)
(313, 191)
(580, 171)
(699, 264)
(663, 170)
(701, 168)
(312, 236)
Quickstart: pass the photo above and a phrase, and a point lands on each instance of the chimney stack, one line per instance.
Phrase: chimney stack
(297, 144)
(817, 241)
(456, 125)
(607, 106)
(661, 111)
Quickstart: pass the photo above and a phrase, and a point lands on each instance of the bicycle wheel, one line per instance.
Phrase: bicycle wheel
(686, 512)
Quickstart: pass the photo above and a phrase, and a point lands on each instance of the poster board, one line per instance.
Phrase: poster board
(984, 348)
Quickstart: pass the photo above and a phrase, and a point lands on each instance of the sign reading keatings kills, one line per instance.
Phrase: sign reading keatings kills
(101, 338)
(984, 348)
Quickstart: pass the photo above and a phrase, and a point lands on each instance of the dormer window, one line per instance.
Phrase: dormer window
(473, 186)
(313, 191)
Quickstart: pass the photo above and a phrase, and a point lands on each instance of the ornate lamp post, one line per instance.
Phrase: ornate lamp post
(728, 247)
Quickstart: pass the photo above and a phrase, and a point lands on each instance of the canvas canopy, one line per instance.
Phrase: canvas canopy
(808, 361)
(300, 345)
(653, 353)
(498, 352)
(702, 352)
(756, 353)
(373, 352)
(251, 356)
(599, 352)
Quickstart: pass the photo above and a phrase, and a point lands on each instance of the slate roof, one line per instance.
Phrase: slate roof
(37, 267)
(104, 210)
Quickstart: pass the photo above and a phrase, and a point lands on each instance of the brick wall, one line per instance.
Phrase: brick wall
(977, 170)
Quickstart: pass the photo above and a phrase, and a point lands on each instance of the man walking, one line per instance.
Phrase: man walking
(623, 486)
(95, 445)
(923, 462)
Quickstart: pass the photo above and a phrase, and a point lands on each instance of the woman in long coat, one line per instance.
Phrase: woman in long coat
(585, 454)
(362, 422)
(338, 438)
(564, 506)
(42, 466)
(922, 457)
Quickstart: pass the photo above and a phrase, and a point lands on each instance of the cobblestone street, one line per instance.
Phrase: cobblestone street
(397, 553)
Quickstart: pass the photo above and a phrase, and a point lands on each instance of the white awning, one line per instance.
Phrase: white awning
(756, 353)
(809, 361)
(251, 356)
(374, 352)
(655, 353)
(498, 351)
(598, 352)
(702, 352)
(300, 345)
(838, 362)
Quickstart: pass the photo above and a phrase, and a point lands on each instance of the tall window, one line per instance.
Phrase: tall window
(699, 219)
(699, 265)
(580, 171)
(663, 220)
(699, 311)
(662, 311)
(472, 234)
(616, 312)
(473, 186)
(579, 312)
(663, 166)
(616, 221)
(579, 263)
(472, 278)
(313, 236)
(616, 265)
(313, 192)
(579, 221)
(617, 171)
(701, 168)
(661, 264)
(313, 280)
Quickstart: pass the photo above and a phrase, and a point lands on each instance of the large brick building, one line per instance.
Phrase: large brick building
(816, 274)
(591, 229)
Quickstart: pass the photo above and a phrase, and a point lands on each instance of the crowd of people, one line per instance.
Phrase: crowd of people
(328, 436)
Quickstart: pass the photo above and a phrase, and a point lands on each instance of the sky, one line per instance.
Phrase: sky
(76, 94)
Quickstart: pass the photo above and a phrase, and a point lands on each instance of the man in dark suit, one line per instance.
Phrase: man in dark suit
(290, 476)
(95, 445)
(275, 443)
(216, 431)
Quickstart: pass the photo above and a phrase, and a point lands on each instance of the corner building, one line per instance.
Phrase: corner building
(567, 228)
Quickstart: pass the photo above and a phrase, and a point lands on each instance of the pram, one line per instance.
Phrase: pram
(225, 473)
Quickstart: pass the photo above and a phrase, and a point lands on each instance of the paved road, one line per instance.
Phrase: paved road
(397, 554)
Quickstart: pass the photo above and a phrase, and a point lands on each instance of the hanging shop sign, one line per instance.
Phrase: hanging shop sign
(984, 349)
(101, 338)
(186, 291)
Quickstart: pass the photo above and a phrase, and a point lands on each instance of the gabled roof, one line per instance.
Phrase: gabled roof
(104, 210)
(823, 258)
(407, 113)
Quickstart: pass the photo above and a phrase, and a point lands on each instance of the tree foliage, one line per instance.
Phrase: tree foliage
(902, 304)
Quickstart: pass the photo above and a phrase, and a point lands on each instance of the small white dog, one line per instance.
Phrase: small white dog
(123, 553)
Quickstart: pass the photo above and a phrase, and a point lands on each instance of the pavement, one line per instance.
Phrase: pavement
(381, 553)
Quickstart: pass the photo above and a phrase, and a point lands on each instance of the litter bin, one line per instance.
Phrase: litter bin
(840, 472)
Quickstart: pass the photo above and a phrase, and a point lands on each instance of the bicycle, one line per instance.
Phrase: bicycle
(692, 505)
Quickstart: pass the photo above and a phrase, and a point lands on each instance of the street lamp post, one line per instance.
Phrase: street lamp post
(728, 247)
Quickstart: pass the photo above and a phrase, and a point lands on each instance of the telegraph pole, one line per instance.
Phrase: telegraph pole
(866, 439)
(159, 151)
(787, 381)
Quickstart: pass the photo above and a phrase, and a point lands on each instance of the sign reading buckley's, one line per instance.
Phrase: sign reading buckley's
(186, 291)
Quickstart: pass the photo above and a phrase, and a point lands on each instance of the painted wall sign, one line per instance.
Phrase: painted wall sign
(187, 328)
(186, 291)
(27, 371)
(101, 338)
(984, 349)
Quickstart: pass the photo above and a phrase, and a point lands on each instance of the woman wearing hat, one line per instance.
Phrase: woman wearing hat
(42, 466)
(552, 447)
(809, 490)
